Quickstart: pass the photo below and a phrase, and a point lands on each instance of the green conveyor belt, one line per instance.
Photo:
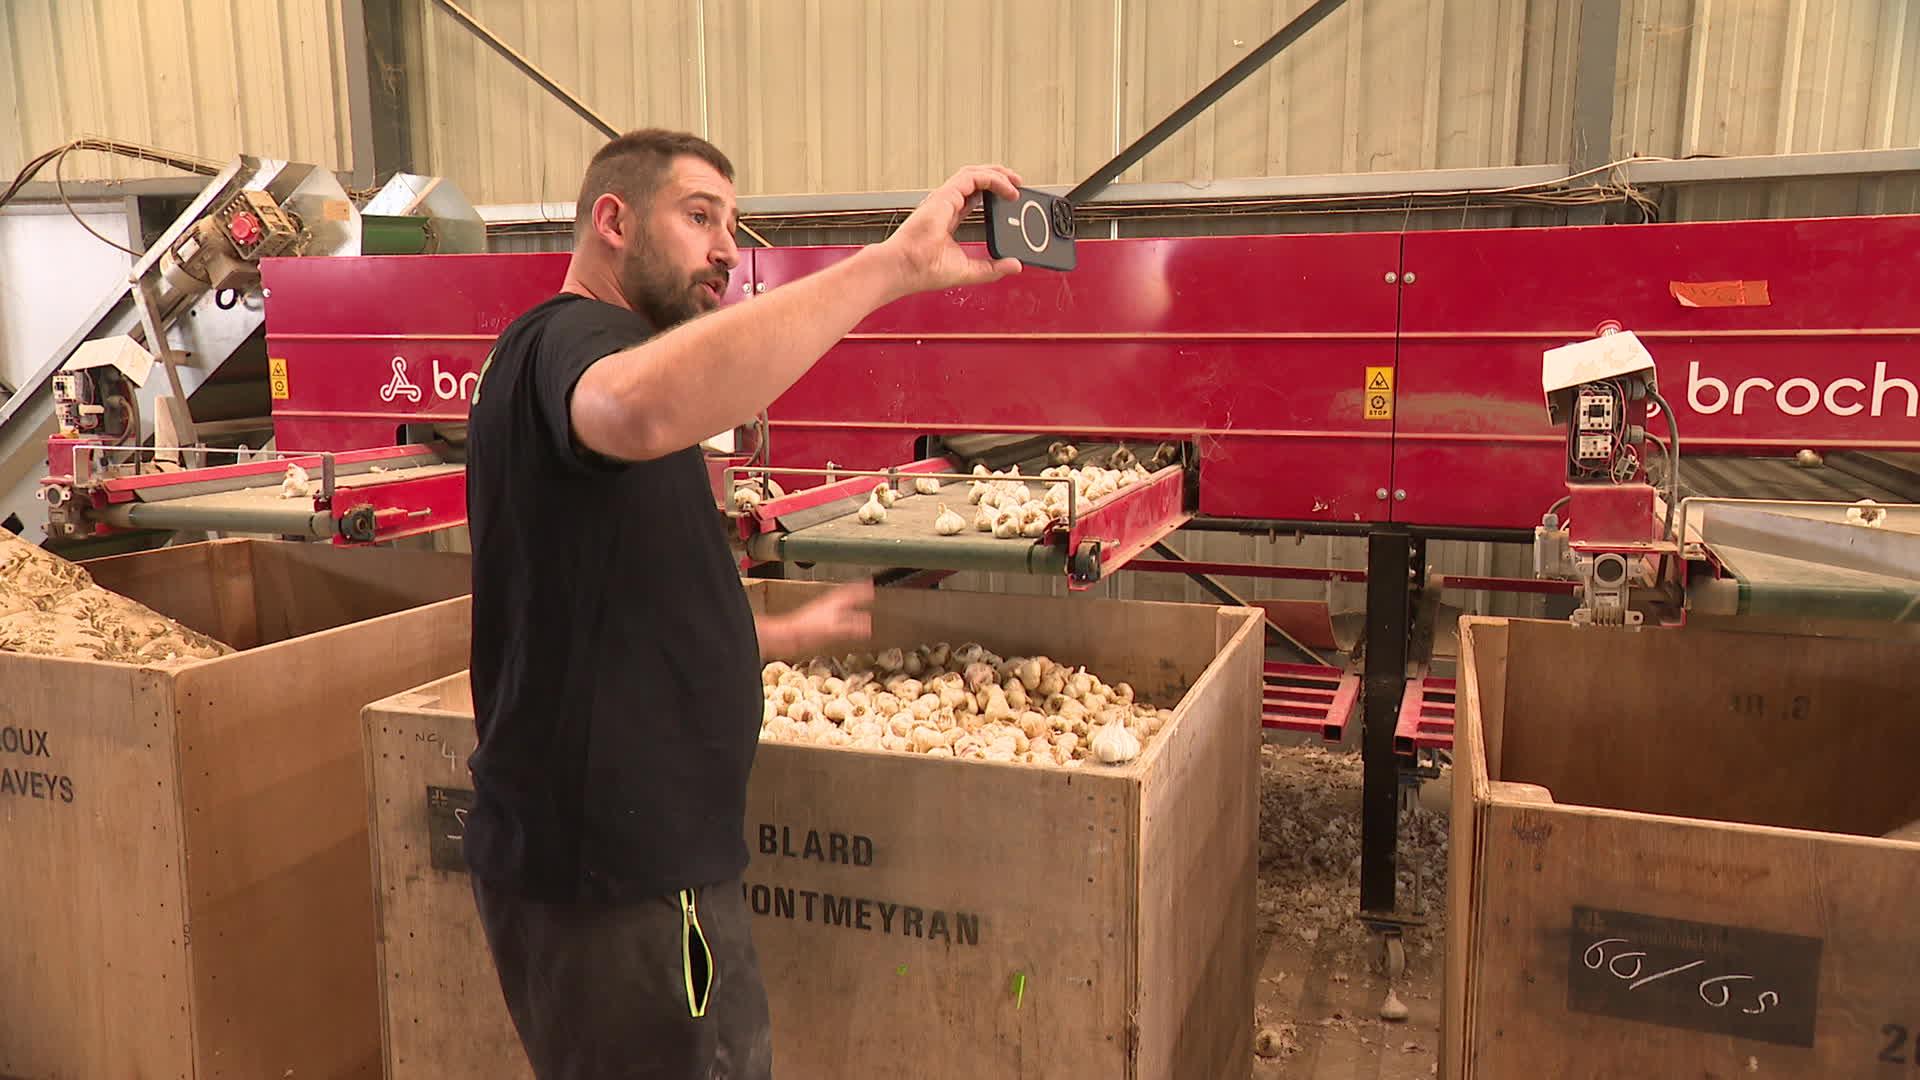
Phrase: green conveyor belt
(1773, 585)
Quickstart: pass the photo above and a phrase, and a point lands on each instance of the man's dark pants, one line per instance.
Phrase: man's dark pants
(599, 992)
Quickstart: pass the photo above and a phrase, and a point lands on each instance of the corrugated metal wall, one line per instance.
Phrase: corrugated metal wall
(848, 95)
(212, 79)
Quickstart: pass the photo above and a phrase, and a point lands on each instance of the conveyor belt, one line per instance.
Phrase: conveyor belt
(1780, 478)
(1124, 522)
(907, 538)
(1810, 562)
(257, 509)
(1775, 585)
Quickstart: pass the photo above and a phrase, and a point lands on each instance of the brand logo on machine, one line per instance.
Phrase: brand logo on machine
(400, 385)
(447, 385)
(1887, 395)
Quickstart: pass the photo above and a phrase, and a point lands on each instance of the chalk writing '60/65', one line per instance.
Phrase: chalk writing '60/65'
(1626, 964)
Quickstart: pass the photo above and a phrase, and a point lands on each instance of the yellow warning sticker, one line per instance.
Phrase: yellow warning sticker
(1379, 393)
(277, 377)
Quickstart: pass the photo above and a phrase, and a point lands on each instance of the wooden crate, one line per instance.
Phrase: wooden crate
(189, 892)
(1665, 856)
(919, 917)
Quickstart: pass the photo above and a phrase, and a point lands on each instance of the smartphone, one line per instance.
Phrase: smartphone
(1036, 228)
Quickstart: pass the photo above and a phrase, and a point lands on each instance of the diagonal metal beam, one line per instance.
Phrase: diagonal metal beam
(1200, 102)
(527, 67)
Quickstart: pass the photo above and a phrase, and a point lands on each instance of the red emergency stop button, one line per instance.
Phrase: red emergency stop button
(244, 228)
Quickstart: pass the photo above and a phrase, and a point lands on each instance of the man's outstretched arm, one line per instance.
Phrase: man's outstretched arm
(718, 371)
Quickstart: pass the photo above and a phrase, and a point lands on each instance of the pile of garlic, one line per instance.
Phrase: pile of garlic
(1008, 508)
(961, 702)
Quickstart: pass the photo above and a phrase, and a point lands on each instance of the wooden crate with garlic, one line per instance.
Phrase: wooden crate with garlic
(182, 801)
(1050, 876)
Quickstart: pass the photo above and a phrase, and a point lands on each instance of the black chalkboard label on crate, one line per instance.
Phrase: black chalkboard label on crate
(447, 810)
(1729, 980)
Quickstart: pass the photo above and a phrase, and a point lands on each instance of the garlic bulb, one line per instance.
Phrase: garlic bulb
(1006, 525)
(939, 751)
(980, 470)
(977, 492)
(746, 498)
(983, 518)
(1035, 525)
(890, 661)
(835, 709)
(948, 523)
(937, 654)
(979, 676)
(871, 511)
(996, 706)
(1114, 744)
(885, 494)
(1061, 453)
(925, 485)
(1016, 695)
(770, 675)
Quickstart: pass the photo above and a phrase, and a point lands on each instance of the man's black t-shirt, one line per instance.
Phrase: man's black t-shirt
(615, 666)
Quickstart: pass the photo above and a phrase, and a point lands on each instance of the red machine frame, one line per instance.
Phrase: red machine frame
(1255, 349)
(1377, 384)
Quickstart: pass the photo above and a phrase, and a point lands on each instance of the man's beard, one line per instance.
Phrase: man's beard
(657, 291)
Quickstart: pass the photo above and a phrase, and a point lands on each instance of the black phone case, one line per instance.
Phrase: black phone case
(1041, 243)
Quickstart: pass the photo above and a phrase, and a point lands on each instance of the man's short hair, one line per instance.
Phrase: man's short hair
(634, 165)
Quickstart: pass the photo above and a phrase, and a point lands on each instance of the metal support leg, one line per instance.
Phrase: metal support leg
(1390, 569)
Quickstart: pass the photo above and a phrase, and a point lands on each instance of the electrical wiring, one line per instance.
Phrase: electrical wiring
(58, 156)
(1673, 457)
